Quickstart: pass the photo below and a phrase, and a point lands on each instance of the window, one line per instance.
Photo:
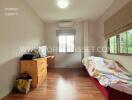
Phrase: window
(129, 35)
(112, 44)
(66, 43)
(121, 44)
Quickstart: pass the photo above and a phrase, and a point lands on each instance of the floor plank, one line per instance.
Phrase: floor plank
(63, 84)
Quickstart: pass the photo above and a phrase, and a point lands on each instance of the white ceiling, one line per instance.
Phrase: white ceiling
(78, 10)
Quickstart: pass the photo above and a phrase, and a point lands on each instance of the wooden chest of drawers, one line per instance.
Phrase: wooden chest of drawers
(36, 68)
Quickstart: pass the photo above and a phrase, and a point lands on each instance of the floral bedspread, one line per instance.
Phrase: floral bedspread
(107, 72)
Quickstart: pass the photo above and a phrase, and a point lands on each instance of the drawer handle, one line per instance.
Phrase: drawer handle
(42, 63)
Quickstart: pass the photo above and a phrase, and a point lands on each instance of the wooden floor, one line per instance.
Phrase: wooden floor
(63, 84)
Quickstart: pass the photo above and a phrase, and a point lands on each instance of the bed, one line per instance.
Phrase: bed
(114, 81)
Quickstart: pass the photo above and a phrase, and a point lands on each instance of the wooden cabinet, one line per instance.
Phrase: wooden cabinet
(51, 61)
(36, 68)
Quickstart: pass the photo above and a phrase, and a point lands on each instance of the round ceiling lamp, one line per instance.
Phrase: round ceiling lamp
(62, 3)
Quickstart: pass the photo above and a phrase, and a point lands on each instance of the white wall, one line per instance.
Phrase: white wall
(124, 60)
(85, 37)
(92, 37)
(89, 37)
(16, 33)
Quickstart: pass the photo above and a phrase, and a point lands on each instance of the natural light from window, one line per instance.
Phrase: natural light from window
(122, 43)
(66, 43)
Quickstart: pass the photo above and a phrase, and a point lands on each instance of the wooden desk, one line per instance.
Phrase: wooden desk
(51, 61)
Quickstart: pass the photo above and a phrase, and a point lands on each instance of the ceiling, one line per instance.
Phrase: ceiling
(78, 10)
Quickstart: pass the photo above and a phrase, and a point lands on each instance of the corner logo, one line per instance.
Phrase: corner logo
(11, 11)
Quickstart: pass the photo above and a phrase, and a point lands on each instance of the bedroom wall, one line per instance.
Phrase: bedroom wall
(124, 60)
(84, 38)
(18, 33)
(92, 37)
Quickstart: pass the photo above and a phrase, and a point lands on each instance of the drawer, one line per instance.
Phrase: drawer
(41, 64)
(42, 60)
(42, 78)
(43, 71)
(41, 68)
(37, 80)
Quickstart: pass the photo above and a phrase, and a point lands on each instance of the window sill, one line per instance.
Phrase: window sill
(120, 54)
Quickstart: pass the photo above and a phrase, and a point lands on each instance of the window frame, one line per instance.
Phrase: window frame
(118, 46)
(66, 46)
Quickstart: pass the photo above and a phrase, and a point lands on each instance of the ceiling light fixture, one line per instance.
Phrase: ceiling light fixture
(63, 3)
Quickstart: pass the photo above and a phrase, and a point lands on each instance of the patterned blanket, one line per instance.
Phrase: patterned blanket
(107, 72)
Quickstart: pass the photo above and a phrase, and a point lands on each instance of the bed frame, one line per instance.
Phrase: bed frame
(110, 93)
